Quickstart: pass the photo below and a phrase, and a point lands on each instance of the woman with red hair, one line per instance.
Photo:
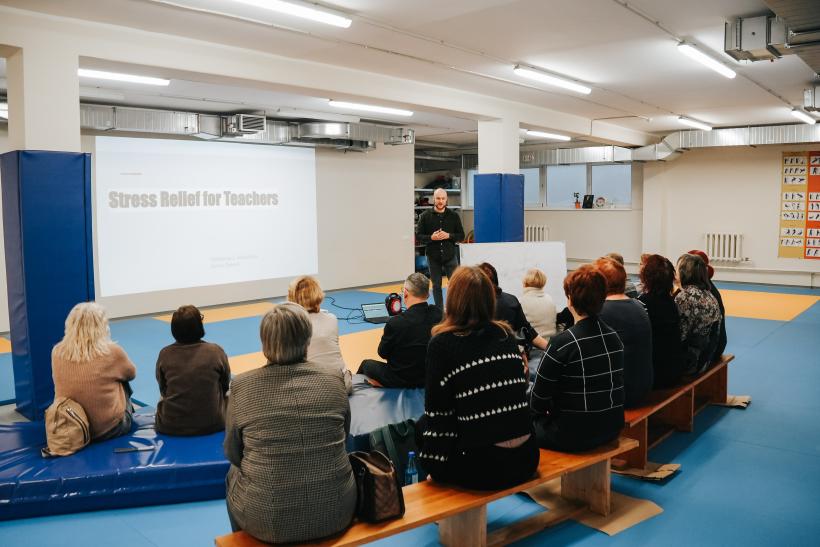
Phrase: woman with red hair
(577, 400)
(629, 319)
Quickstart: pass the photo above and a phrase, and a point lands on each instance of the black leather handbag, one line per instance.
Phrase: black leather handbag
(377, 485)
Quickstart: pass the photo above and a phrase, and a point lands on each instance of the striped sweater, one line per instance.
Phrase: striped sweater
(475, 394)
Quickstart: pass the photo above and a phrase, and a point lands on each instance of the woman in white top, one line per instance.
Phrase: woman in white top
(324, 344)
(538, 305)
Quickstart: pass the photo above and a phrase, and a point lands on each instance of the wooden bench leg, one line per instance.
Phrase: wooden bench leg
(589, 485)
(637, 457)
(467, 528)
(714, 389)
(679, 413)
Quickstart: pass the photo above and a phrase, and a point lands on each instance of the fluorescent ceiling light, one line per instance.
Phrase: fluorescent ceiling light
(298, 9)
(802, 116)
(370, 108)
(543, 77)
(116, 76)
(545, 135)
(705, 60)
(694, 123)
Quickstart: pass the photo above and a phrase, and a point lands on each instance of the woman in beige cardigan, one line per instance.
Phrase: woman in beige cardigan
(290, 479)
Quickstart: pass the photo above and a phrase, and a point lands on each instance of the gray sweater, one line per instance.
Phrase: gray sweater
(290, 479)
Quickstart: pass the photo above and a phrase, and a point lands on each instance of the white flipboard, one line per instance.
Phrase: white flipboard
(512, 260)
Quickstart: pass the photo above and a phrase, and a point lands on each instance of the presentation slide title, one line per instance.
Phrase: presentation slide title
(189, 198)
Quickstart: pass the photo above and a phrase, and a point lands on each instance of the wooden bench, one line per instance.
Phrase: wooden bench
(670, 410)
(462, 514)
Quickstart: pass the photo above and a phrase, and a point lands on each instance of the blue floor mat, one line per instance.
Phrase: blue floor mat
(759, 287)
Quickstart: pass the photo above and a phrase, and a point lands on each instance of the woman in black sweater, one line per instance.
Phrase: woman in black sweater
(578, 397)
(668, 352)
(476, 431)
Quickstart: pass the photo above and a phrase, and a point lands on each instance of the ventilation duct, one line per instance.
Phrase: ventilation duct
(760, 38)
(252, 129)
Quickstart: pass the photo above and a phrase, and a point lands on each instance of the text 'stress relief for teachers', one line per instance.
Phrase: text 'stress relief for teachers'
(800, 206)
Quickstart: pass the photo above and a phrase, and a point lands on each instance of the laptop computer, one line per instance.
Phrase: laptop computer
(375, 313)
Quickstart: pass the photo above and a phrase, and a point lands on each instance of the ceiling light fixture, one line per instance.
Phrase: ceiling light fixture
(545, 135)
(118, 77)
(803, 117)
(299, 9)
(550, 79)
(705, 60)
(370, 108)
(694, 123)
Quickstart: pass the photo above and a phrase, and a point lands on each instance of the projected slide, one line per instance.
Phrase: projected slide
(172, 214)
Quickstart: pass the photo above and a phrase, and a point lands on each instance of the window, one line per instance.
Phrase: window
(532, 187)
(563, 181)
(467, 190)
(614, 184)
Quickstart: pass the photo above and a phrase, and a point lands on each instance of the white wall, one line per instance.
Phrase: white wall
(362, 239)
(732, 189)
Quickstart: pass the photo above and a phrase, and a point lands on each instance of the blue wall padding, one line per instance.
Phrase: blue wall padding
(49, 261)
(498, 200)
(178, 469)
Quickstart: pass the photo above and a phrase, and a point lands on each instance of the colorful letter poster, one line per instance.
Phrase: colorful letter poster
(800, 206)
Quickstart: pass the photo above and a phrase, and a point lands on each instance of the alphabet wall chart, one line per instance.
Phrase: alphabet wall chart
(800, 206)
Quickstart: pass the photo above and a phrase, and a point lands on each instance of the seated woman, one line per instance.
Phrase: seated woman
(538, 307)
(629, 319)
(290, 479)
(722, 340)
(193, 377)
(508, 308)
(324, 344)
(476, 431)
(668, 354)
(94, 371)
(699, 313)
(577, 400)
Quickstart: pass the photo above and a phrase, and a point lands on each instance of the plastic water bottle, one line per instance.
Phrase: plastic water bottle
(411, 474)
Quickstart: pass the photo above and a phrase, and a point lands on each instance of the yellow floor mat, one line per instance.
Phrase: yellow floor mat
(5, 345)
(355, 348)
(765, 305)
(224, 313)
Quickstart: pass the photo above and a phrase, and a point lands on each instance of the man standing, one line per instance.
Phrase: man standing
(405, 338)
(439, 229)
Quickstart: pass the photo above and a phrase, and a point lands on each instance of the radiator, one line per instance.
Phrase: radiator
(536, 232)
(724, 246)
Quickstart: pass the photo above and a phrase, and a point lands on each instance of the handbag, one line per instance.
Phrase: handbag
(379, 495)
(67, 428)
(396, 441)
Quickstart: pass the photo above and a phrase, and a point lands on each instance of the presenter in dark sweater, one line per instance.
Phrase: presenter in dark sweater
(668, 352)
(476, 431)
(629, 319)
(440, 229)
(193, 377)
(577, 398)
(405, 338)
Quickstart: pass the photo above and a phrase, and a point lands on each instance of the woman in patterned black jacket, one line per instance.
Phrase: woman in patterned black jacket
(577, 400)
(476, 431)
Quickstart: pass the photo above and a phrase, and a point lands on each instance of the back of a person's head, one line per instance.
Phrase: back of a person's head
(657, 275)
(490, 271)
(306, 292)
(614, 274)
(417, 285)
(586, 290)
(617, 257)
(186, 325)
(87, 334)
(710, 271)
(692, 271)
(285, 332)
(644, 256)
(470, 302)
(535, 278)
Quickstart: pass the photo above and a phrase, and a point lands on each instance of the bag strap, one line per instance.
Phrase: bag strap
(392, 453)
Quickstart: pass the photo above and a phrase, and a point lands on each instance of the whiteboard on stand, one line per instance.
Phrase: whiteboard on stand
(513, 259)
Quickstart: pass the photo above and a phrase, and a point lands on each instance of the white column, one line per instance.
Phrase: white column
(498, 146)
(43, 97)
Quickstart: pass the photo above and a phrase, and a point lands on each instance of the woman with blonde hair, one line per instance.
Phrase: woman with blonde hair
(324, 344)
(476, 431)
(290, 479)
(94, 371)
(538, 305)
